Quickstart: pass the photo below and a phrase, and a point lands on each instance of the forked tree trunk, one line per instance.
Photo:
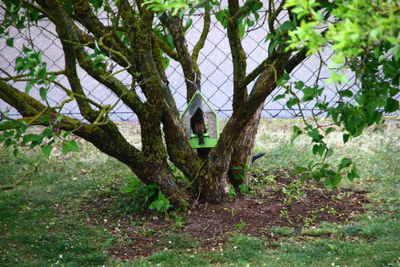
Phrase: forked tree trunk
(242, 152)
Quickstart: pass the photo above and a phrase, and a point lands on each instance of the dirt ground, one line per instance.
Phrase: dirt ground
(276, 199)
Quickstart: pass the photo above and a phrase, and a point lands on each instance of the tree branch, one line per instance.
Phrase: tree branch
(113, 46)
(295, 60)
(273, 14)
(167, 49)
(190, 68)
(203, 37)
(238, 55)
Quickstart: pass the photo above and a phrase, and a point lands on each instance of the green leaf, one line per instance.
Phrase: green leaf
(284, 79)
(309, 94)
(42, 74)
(269, 37)
(296, 133)
(69, 146)
(10, 42)
(392, 105)
(46, 149)
(276, 98)
(26, 49)
(47, 132)
(189, 23)
(162, 204)
(346, 138)
(315, 149)
(299, 170)
(346, 162)
(329, 152)
(192, 11)
(314, 134)
(335, 180)
(256, 6)
(242, 30)
(353, 174)
(286, 26)
(16, 151)
(346, 93)
(244, 188)
(299, 85)
(28, 87)
(291, 102)
(321, 149)
(66, 134)
(43, 93)
(19, 63)
(96, 4)
(272, 46)
(329, 130)
(32, 138)
(305, 176)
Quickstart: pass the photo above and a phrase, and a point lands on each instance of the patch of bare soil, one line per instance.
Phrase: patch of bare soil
(276, 199)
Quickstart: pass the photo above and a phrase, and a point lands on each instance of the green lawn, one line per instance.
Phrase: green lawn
(41, 223)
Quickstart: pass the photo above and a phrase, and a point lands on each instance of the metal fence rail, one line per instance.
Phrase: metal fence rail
(214, 61)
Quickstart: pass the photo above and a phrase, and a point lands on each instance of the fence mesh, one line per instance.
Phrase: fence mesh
(215, 63)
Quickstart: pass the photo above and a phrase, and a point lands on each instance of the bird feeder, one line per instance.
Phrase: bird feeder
(211, 133)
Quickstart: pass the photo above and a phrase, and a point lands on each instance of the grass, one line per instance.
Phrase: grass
(41, 223)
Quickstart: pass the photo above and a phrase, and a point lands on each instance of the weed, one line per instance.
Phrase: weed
(284, 214)
(244, 188)
(332, 211)
(179, 221)
(231, 211)
(161, 204)
(240, 225)
(293, 191)
(231, 193)
(308, 221)
(146, 231)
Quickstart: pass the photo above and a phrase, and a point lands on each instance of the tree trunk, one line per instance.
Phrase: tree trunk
(241, 156)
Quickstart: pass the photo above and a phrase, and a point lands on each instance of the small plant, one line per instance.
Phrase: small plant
(240, 225)
(292, 192)
(161, 204)
(231, 193)
(284, 214)
(179, 221)
(332, 211)
(308, 221)
(134, 196)
(146, 231)
(244, 188)
(269, 179)
(321, 210)
(231, 211)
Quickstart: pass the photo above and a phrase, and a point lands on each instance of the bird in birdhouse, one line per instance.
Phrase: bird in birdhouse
(198, 126)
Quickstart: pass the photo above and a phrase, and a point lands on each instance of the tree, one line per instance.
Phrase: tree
(137, 42)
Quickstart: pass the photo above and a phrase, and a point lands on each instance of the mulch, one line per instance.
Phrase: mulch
(281, 201)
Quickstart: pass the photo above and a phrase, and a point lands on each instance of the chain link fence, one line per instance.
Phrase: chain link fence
(215, 63)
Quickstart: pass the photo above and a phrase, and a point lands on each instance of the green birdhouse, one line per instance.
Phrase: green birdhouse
(201, 122)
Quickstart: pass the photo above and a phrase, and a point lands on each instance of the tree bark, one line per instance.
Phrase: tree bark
(241, 156)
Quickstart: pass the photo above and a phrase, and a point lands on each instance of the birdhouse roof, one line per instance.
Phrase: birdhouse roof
(198, 101)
